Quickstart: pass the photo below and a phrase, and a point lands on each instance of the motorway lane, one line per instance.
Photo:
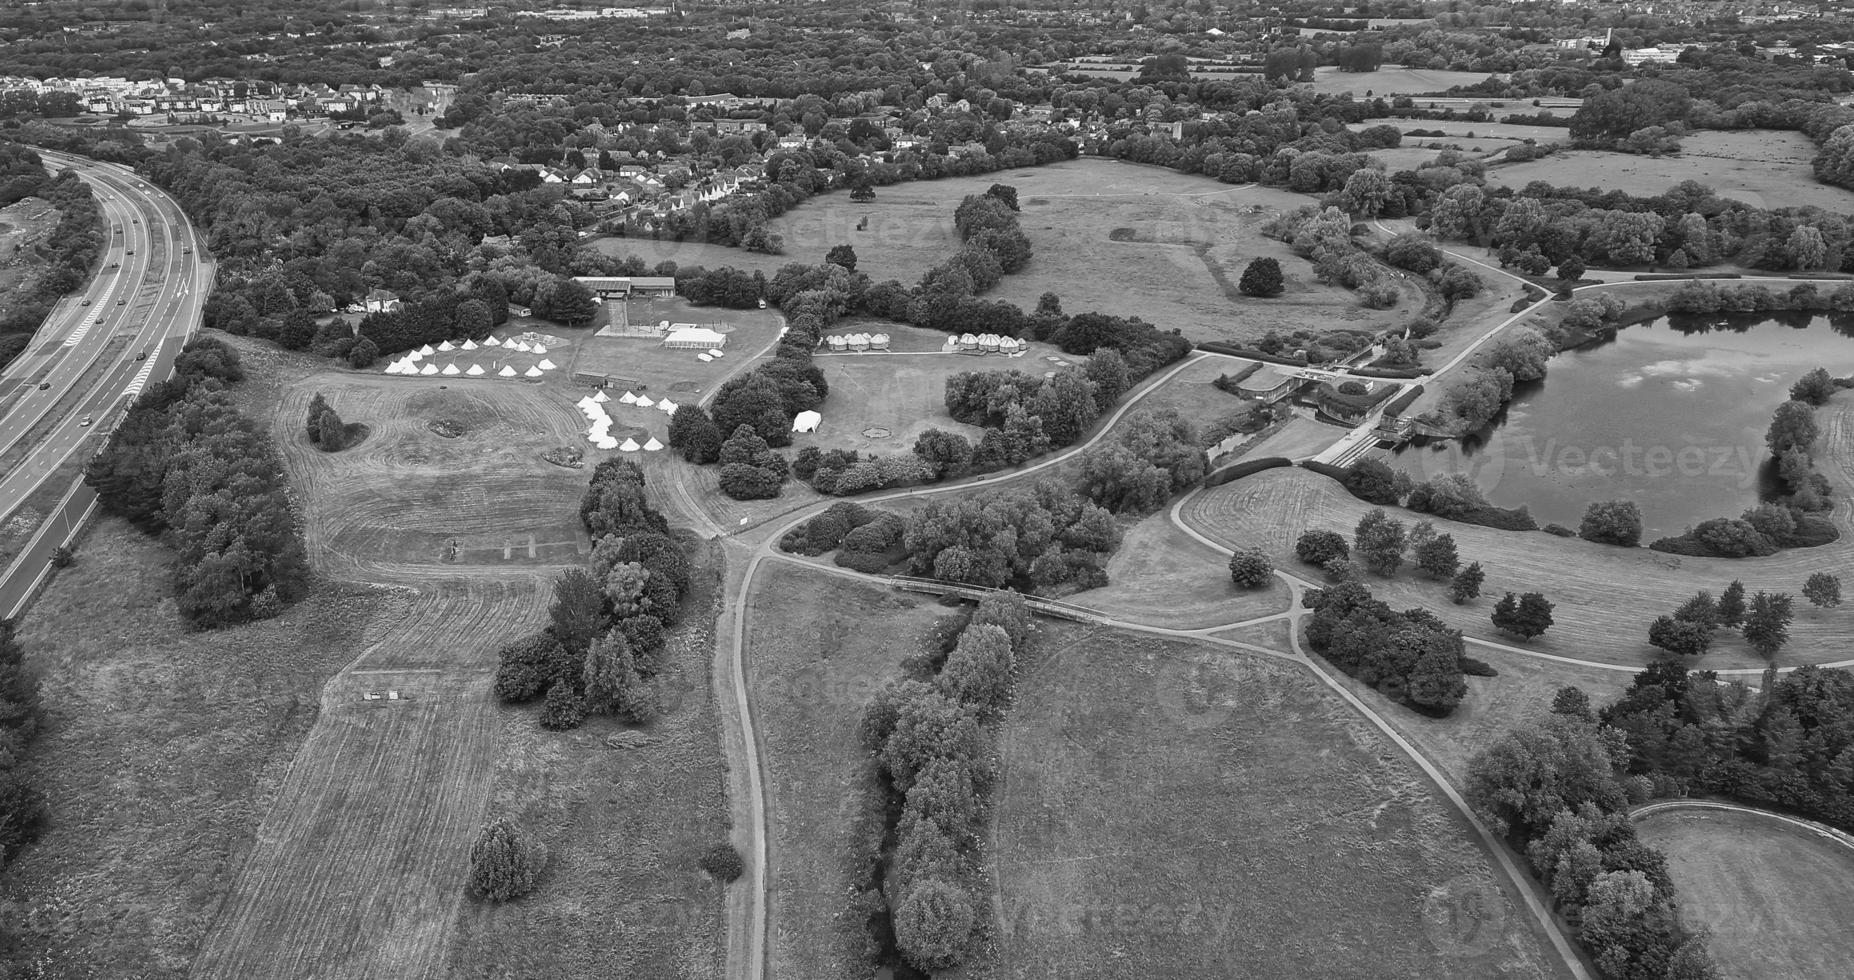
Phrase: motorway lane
(168, 317)
(155, 261)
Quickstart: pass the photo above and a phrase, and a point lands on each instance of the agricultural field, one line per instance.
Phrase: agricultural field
(1385, 879)
(1605, 596)
(1773, 895)
(1762, 168)
(813, 663)
(1108, 236)
(1391, 80)
(625, 818)
(161, 749)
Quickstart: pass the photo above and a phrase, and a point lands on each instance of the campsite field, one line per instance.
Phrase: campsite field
(1772, 895)
(679, 375)
(1112, 237)
(1117, 852)
(1762, 168)
(160, 751)
(625, 828)
(813, 663)
(1605, 596)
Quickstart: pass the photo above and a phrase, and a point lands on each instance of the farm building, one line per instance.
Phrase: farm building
(1271, 384)
(693, 338)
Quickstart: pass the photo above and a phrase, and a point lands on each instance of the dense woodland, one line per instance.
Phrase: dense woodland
(69, 253)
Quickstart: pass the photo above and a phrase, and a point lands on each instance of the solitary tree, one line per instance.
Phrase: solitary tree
(1823, 590)
(1767, 622)
(1262, 278)
(317, 405)
(505, 862)
(1467, 583)
(1437, 556)
(1250, 568)
(1524, 616)
(842, 255)
(333, 433)
(1612, 522)
(1379, 541)
(1320, 547)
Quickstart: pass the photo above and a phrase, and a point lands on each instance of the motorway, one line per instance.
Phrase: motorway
(85, 362)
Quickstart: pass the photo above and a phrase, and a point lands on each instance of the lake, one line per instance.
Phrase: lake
(1671, 414)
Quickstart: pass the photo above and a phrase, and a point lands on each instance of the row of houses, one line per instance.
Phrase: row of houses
(108, 95)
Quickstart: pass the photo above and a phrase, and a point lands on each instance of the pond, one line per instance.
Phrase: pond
(1671, 413)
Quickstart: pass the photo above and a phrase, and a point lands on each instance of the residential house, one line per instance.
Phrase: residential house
(381, 301)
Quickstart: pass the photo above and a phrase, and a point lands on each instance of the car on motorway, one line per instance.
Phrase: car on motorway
(44, 386)
(122, 302)
(187, 251)
(128, 251)
(85, 301)
(87, 420)
(143, 356)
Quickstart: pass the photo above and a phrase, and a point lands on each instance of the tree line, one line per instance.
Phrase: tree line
(22, 804)
(69, 252)
(185, 464)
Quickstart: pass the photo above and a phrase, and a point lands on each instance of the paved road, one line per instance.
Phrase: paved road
(152, 300)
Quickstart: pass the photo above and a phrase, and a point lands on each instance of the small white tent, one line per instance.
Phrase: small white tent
(600, 397)
(476, 371)
(521, 347)
(667, 407)
(534, 372)
(491, 341)
(426, 351)
(538, 349)
(506, 372)
(392, 368)
(806, 422)
(653, 445)
(450, 369)
(469, 345)
(429, 369)
(643, 401)
(414, 356)
(607, 443)
(629, 446)
(627, 399)
(546, 365)
(446, 346)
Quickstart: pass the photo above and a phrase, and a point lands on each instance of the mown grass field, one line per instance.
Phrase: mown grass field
(1773, 896)
(1391, 80)
(1176, 810)
(1762, 168)
(1163, 577)
(819, 648)
(1605, 596)
(1112, 237)
(625, 828)
(679, 375)
(162, 750)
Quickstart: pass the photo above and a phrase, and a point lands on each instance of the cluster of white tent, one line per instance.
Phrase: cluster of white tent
(593, 407)
(989, 343)
(409, 364)
(857, 342)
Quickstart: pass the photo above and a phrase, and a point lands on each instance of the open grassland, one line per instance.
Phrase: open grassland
(1774, 896)
(161, 751)
(624, 827)
(1606, 596)
(1391, 80)
(1164, 577)
(1762, 168)
(818, 649)
(679, 375)
(1299, 438)
(1112, 237)
(1177, 810)
(1193, 395)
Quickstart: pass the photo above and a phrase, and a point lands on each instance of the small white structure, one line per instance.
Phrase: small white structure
(426, 351)
(653, 445)
(429, 369)
(546, 365)
(522, 347)
(476, 371)
(392, 368)
(630, 446)
(538, 349)
(414, 356)
(533, 372)
(506, 372)
(607, 443)
(446, 347)
(491, 341)
(667, 407)
(627, 399)
(694, 338)
(716, 352)
(643, 401)
(704, 358)
(469, 345)
(806, 422)
(450, 369)
(600, 396)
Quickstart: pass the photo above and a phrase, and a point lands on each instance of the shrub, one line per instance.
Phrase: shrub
(745, 482)
(1559, 530)
(1320, 547)
(1823, 590)
(1251, 569)
(505, 862)
(1524, 616)
(723, 862)
(1467, 583)
(564, 709)
(933, 924)
(1262, 278)
(1617, 522)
